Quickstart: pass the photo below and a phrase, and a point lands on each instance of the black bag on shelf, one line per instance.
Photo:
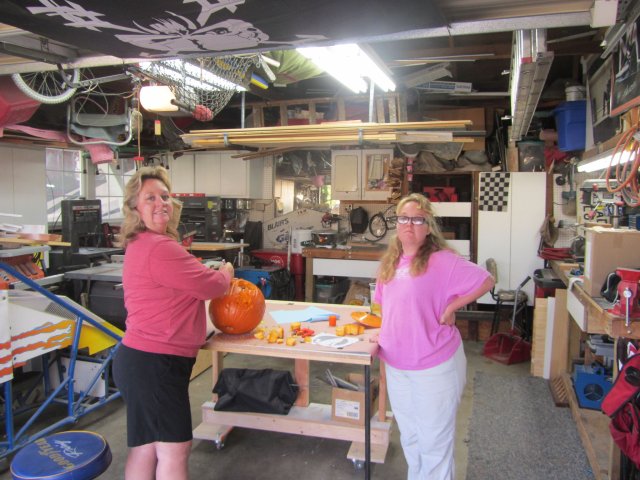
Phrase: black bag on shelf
(259, 391)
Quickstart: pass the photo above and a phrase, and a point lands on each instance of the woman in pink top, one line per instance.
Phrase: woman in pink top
(420, 285)
(164, 292)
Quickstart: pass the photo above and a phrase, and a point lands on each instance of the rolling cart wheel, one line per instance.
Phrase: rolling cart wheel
(358, 464)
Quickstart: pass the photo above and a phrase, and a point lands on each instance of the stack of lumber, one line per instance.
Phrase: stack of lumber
(329, 134)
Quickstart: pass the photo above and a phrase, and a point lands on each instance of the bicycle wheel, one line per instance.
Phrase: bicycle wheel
(48, 87)
(378, 226)
(390, 217)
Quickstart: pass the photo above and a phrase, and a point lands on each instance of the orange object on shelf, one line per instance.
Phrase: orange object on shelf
(23, 264)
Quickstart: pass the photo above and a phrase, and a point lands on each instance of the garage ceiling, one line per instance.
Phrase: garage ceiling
(473, 36)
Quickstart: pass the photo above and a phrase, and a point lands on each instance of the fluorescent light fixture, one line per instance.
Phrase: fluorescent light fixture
(189, 76)
(350, 65)
(602, 161)
(157, 98)
(530, 65)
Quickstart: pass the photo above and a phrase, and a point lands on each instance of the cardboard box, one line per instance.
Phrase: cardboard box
(275, 232)
(348, 405)
(605, 250)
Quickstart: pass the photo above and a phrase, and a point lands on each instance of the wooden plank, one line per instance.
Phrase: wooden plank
(593, 430)
(559, 392)
(380, 110)
(284, 118)
(308, 280)
(393, 110)
(378, 452)
(301, 374)
(342, 115)
(538, 337)
(314, 420)
(213, 432)
(335, 126)
(258, 117)
(29, 241)
(356, 253)
(559, 350)
(312, 114)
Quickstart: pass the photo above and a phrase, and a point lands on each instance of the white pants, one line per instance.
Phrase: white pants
(424, 403)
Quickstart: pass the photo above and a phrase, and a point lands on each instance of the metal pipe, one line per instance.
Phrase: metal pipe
(242, 108)
(371, 95)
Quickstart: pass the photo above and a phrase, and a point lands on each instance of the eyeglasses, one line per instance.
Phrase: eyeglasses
(402, 220)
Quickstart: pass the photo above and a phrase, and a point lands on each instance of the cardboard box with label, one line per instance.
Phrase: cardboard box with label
(348, 405)
(605, 250)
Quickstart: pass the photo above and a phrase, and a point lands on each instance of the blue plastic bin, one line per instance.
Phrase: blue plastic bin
(259, 276)
(571, 124)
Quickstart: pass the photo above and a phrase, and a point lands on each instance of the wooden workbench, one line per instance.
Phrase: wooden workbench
(369, 442)
(592, 425)
(216, 246)
(352, 262)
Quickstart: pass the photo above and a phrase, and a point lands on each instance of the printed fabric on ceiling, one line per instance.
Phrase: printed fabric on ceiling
(173, 28)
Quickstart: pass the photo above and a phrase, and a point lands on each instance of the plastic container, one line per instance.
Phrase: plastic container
(576, 92)
(571, 123)
(261, 277)
(331, 291)
(546, 283)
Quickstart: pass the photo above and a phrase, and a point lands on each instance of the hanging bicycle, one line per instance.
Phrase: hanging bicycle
(58, 86)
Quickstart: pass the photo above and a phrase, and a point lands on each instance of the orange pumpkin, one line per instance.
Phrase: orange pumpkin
(240, 310)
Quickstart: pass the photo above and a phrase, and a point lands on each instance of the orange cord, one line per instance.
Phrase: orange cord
(626, 173)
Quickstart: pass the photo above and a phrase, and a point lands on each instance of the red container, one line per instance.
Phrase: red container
(15, 106)
(274, 257)
(279, 258)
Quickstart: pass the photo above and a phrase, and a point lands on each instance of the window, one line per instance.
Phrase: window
(65, 180)
(110, 181)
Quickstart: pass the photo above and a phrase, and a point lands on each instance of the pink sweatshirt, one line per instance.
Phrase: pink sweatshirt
(164, 292)
(411, 337)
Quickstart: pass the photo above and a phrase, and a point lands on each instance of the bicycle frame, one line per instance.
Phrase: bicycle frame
(78, 402)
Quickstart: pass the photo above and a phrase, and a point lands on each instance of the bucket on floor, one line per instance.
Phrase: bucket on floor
(73, 455)
(507, 348)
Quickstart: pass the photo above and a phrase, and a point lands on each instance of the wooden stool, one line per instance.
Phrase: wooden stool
(73, 455)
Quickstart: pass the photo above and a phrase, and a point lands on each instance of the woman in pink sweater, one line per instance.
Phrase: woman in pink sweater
(420, 285)
(165, 289)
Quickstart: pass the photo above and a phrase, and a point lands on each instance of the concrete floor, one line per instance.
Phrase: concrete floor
(251, 454)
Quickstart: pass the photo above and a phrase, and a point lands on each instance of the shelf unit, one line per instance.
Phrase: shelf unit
(457, 218)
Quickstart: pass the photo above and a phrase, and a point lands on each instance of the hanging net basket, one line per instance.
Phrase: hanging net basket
(203, 86)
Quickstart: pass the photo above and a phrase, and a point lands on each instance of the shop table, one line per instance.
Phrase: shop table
(369, 442)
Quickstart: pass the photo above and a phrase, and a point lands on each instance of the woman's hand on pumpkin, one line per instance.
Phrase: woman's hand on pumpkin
(228, 267)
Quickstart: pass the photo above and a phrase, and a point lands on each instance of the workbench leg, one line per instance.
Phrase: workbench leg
(308, 280)
(382, 394)
(367, 422)
(216, 368)
(301, 374)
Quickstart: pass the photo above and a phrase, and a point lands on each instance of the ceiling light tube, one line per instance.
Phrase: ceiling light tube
(349, 64)
(602, 161)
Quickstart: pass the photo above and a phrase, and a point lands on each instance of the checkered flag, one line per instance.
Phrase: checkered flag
(494, 191)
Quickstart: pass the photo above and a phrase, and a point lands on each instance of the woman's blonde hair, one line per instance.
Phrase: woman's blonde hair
(132, 223)
(432, 243)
